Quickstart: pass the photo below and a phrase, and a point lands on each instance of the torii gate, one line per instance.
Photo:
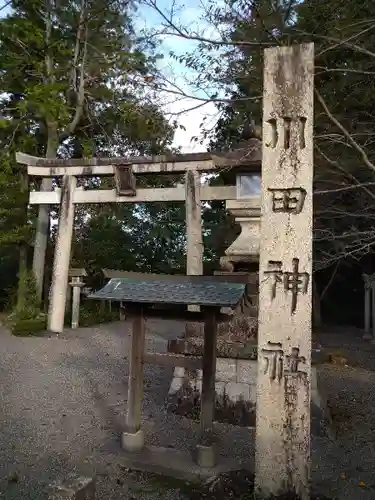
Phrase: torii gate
(285, 266)
(125, 171)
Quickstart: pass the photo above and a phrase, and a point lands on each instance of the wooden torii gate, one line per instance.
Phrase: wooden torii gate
(125, 171)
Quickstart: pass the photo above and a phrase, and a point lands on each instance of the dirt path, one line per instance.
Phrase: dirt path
(62, 403)
(350, 389)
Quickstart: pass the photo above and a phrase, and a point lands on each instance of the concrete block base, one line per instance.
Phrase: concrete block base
(235, 391)
(178, 464)
(133, 442)
(73, 487)
(205, 456)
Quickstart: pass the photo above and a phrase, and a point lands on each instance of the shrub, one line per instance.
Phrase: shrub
(89, 316)
(92, 313)
(27, 326)
(26, 318)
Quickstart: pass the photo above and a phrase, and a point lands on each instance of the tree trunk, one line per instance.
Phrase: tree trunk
(43, 224)
(22, 272)
(22, 265)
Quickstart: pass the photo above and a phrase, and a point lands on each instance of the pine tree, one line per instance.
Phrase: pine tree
(74, 76)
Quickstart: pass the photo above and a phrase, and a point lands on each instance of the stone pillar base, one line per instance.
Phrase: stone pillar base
(205, 456)
(133, 441)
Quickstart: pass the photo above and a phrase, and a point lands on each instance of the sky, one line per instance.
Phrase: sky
(189, 15)
(177, 108)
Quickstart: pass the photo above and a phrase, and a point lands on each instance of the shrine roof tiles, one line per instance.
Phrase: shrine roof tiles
(179, 290)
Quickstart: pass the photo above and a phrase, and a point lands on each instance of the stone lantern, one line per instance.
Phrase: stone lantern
(245, 162)
(76, 284)
(242, 256)
(244, 251)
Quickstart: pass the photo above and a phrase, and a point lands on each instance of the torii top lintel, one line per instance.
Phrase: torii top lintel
(247, 155)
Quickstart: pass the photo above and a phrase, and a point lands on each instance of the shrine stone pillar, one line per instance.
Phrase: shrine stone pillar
(282, 459)
(76, 285)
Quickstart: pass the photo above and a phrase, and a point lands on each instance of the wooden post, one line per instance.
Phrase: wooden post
(122, 312)
(285, 273)
(204, 452)
(367, 308)
(61, 262)
(373, 305)
(132, 439)
(209, 370)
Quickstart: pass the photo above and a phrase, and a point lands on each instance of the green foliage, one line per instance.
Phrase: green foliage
(27, 327)
(75, 82)
(26, 318)
(83, 72)
(93, 313)
(344, 77)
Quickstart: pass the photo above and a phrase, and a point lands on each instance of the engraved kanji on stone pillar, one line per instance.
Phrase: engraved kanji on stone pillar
(285, 269)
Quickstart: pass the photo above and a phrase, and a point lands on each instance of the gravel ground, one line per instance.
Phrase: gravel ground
(63, 400)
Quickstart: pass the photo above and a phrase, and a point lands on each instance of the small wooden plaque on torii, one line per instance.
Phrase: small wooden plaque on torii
(125, 180)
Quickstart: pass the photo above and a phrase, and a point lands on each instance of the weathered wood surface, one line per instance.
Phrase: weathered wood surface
(219, 276)
(126, 184)
(142, 195)
(248, 153)
(135, 381)
(369, 287)
(209, 370)
(284, 370)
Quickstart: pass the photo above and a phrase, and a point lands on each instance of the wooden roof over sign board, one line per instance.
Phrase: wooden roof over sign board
(172, 290)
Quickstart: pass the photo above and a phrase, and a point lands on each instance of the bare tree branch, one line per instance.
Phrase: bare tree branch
(345, 42)
(346, 188)
(178, 32)
(342, 70)
(348, 136)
